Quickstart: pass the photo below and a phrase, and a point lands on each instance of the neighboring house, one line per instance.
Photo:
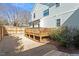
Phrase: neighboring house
(50, 15)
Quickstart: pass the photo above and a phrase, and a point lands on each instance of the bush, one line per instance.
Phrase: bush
(76, 40)
(67, 37)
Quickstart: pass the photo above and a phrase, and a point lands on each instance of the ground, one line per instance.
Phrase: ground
(31, 48)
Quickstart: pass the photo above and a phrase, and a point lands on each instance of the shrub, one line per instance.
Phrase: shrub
(67, 37)
(76, 40)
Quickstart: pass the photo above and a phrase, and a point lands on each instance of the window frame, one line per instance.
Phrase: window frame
(34, 15)
(57, 4)
(58, 23)
(46, 12)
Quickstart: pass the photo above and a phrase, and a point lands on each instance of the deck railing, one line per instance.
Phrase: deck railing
(39, 32)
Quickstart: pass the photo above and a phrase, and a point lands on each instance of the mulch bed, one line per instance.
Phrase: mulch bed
(61, 48)
(64, 49)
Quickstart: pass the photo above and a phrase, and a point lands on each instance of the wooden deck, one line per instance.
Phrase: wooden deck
(37, 32)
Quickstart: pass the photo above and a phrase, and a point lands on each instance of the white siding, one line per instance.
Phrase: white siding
(64, 7)
(73, 20)
(63, 12)
(50, 21)
(38, 10)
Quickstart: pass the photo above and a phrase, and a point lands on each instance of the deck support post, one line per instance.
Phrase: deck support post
(33, 37)
(29, 36)
(40, 38)
(26, 35)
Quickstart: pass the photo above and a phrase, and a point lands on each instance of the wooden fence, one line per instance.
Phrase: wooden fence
(1, 34)
(10, 30)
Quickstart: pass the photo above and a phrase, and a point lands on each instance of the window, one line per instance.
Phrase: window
(34, 15)
(46, 12)
(58, 22)
(57, 4)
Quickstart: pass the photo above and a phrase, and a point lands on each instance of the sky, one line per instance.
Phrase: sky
(25, 6)
(22, 6)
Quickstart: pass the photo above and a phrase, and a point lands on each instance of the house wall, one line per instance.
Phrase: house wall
(38, 10)
(51, 21)
(64, 7)
(63, 12)
(73, 20)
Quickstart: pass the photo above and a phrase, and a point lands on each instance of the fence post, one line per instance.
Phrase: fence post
(2, 33)
(16, 30)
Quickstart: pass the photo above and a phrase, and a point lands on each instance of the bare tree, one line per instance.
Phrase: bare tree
(15, 16)
(23, 17)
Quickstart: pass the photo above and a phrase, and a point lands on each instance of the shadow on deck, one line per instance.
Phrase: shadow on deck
(42, 50)
(38, 51)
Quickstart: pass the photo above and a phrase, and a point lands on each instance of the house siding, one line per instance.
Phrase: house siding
(38, 10)
(63, 12)
(73, 20)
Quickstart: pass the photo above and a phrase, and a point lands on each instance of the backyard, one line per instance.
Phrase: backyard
(30, 47)
(20, 45)
(27, 32)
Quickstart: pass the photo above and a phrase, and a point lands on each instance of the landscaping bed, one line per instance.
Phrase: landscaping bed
(65, 39)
